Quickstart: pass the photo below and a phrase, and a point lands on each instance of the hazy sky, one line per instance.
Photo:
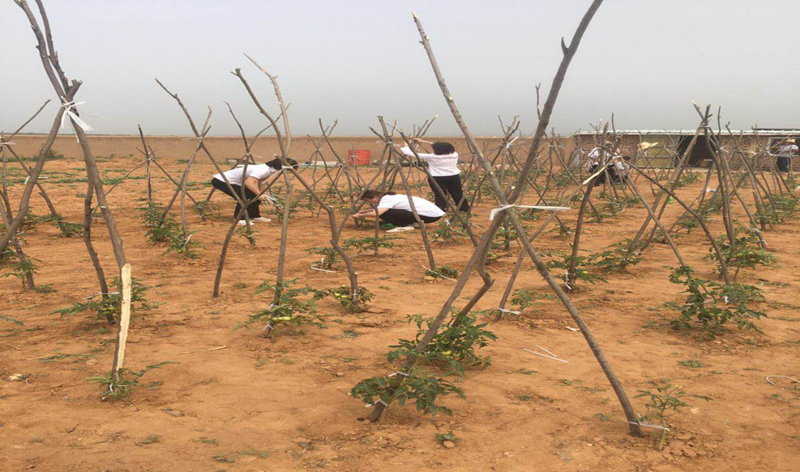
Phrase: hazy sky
(643, 60)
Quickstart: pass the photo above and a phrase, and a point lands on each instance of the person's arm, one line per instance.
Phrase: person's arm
(370, 212)
(422, 155)
(252, 184)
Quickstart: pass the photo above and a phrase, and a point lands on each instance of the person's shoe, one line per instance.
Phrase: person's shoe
(401, 229)
(261, 219)
(244, 222)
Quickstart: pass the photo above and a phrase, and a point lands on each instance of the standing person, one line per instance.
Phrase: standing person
(785, 150)
(443, 168)
(256, 175)
(395, 209)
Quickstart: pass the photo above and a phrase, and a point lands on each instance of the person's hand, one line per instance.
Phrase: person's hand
(263, 197)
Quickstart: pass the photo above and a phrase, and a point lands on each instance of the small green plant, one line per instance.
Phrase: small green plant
(709, 306)
(691, 363)
(744, 254)
(366, 244)
(421, 388)
(616, 258)
(21, 269)
(666, 398)
(453, 347)
(247, 233)
(110, 305)
(206, 209)
(294, 307)
(254, 452)
(582, 266)
(441, 438)
(778, 209)
(524, 299)
(442, 272)
(167, 230)
(127, 381)
(60, 356)
(66, 228)
(451, 229)
(329, 257)
(344, 296)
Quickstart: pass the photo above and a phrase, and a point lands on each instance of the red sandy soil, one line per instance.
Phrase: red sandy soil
(289, 396)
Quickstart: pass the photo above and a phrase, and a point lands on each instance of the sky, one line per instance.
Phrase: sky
(351, 61)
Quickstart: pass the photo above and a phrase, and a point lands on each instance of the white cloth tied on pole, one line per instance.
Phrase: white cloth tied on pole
(535, 207)
(68, 111)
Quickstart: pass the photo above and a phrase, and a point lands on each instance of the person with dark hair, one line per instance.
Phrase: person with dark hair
(256, 175)
(443, 168)
(395, 209)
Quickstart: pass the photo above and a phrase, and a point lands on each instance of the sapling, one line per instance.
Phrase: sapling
(109, 305)
(524, 299)
(453, 348)
(329, 257)
(344, 295)
(295, 307)
(423, 389)
(368, 243)
(666, 398)
(745, 254)
(709, 306)
(126, 383)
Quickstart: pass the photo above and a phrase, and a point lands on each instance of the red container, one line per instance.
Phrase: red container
(359, 157)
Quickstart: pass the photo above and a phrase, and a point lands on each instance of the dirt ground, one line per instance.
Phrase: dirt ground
(235, 397)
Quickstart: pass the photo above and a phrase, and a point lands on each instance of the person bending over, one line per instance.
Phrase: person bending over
(443, 168)
(256, 175)
(394, 208)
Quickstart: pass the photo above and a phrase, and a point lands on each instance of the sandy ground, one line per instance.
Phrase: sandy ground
(222, 408)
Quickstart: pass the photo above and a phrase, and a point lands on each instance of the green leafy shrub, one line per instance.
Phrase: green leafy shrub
(418, 387)
(329, 257)
(524, 299)
(168, 230)
(453, 347)
(745, 254)
(368, 243)
(709, 306)
(344, 296)
(295, 307)
(110, 306)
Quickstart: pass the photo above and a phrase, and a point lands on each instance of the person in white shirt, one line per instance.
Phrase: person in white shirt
(593, 165)
(395, 209)
(785, 150)
(256, 175)
(443, 168)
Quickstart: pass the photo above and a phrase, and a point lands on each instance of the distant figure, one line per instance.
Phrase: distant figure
(596, 155)
(394, 208)
(620, 169)
(443, 167)
(785, 150)
(256, 175)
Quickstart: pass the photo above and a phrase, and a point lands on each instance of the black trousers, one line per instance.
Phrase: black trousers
(451, 185)
(252, 209)
(783, 163)
(405, 217)
(611, 172)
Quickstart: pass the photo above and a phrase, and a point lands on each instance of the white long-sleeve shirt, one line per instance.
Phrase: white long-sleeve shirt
(787, 150)
(439, 165)
(236, 176)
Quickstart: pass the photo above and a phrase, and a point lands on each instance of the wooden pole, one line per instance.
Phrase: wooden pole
(124, 322)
